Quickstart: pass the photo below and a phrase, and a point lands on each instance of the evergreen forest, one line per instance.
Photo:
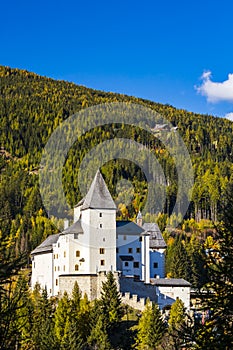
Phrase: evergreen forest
(31, 109)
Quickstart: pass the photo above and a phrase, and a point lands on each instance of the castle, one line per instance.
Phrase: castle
(96, 243)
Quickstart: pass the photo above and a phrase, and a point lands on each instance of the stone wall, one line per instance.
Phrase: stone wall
(134, 301)
(128, 284)
(89, 284)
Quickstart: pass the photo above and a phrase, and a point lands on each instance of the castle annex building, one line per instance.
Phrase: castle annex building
(96, 243)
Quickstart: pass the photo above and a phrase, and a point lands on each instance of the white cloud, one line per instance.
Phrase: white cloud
(229, 116)
(216, 92)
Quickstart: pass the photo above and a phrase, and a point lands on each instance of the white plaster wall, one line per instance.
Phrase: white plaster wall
(102, 234)
(77, 212)
(42, 271)
(168, 294)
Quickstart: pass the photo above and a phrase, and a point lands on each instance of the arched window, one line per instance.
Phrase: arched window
(76, 267)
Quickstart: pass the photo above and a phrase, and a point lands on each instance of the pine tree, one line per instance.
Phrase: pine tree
(111, 301)
(84, 318)
(76, 296)
(150, 329)
(61, 315)
(10, 295)
(42, 332)
(98, 339)
(24, 319)
(216, 330)
(180, 263)
(177, 314)
(176, 322)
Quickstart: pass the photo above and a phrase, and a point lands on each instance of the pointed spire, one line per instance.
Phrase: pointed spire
(98, 196)
(139, 218)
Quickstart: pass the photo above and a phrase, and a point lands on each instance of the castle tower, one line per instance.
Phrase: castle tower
(139, 218)
(98, 216)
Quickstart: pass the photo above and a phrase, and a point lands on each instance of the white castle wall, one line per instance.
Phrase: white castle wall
(42, 271)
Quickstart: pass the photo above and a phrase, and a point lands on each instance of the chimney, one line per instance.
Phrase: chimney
(66, 224)
(139, 218)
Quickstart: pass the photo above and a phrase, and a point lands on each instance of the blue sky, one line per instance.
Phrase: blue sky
(151, 49)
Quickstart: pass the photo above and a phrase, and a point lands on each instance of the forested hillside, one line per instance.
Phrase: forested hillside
(31, 107)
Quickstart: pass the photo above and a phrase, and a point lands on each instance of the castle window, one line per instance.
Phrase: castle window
(102, 262)
(77, 253)
(56, 282)
(124, 238)
(100, 215)
(138, 250)
(57, 256)
(64, 254)
(76, 267)
(58, 269)
(64, 268)
(155, 265)
(100, 225)
(55, 269)
(103, 239)
(140, 239)
(75, 235)
(54, 256)
(34, 264)
(136, 264)
(126, 263)
(102, 251)
(130, 250)
(58, 245)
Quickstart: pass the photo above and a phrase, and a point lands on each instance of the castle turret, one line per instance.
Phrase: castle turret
(139, 218)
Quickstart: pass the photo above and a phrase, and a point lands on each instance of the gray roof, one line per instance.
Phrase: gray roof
(128, 228)
(156, 238)
(80, 202)
(47, 245)
(98, 196)
(76, 227)
(173, 282)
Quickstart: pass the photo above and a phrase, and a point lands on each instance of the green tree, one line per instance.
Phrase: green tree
(216, 330)
(180, 263)
(10, 296)
(98, 339)
(61, 316)
(150, 329)
(176, 322)
(111, 301)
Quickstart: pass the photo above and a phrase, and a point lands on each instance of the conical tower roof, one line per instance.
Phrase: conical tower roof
(98, 196)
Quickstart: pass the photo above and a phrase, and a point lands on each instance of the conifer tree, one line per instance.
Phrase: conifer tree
(111, 301)
(216, 329)
(176, 322)
(98, 339)
(76, 296)
(84, 318)
(24, 319)
(180, 263)
(61, 316)
(150, 329)
(177, 314)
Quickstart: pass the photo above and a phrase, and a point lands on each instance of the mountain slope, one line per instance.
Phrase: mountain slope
(31, 107)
